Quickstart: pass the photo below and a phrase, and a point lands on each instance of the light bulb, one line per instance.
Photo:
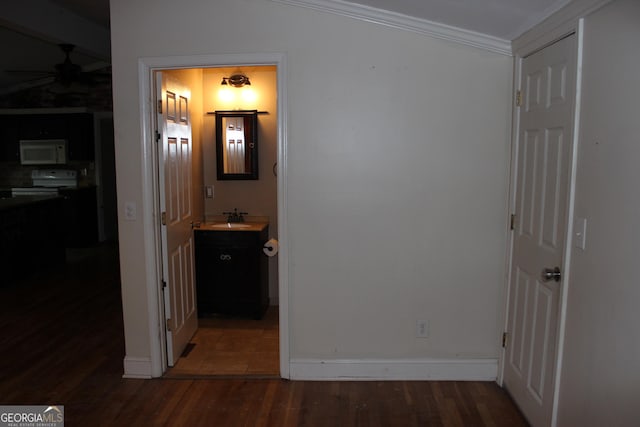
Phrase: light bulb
(248, 95)
(225, 94)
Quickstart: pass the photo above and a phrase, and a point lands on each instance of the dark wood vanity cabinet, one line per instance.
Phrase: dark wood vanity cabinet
(231, 272)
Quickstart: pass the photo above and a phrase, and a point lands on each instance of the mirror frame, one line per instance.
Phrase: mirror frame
(251, 144)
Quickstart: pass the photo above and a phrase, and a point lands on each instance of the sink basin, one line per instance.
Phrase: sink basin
(230, 225)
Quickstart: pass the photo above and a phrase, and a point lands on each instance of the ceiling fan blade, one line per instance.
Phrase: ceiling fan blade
(66, 73)
(95, 66)
(28, 72)
(29, 84)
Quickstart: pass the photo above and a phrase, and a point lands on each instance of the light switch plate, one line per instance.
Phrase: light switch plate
(580, 233)
(209, 191)
(130, 213)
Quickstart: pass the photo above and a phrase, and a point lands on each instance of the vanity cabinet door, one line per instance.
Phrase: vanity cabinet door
(231, 273)
(234, 273)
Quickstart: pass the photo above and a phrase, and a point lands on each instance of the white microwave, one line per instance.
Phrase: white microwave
(43, 151)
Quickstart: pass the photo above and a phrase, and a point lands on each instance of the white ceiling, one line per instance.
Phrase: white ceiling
(30, 42)
(94, 10)
(30, 39)
(505, 19)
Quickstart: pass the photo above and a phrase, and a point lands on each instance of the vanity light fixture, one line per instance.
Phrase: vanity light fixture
(236, 80)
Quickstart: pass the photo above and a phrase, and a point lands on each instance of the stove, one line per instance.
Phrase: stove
(47, 182)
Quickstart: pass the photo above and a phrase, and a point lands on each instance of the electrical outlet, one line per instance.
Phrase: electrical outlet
(422, 329)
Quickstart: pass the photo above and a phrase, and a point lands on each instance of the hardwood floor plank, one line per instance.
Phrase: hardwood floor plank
(224, 346)
(65, 346)
(262, 419)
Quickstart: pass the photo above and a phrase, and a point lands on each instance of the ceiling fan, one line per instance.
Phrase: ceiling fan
(67, 72)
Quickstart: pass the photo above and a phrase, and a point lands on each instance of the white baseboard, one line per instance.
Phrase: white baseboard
(137, 367)
(413, 369)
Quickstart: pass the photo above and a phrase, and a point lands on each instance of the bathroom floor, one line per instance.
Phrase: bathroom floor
(225, 346)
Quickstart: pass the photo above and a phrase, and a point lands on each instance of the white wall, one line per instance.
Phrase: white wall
(600, 383)
(398, 146)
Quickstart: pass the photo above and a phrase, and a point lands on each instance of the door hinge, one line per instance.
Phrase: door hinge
(159, 106)
(512, 223)
(504, 339)
(169, 324)
(158, 136)
(164, 284)
(163, 218)
(518, 98)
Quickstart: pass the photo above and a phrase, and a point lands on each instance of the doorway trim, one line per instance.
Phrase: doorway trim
(153, 256)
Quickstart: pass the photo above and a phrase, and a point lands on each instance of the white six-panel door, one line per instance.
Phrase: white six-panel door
(541, 202)
(174, 125)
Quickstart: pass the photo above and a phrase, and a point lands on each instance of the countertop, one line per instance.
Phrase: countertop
(222, 226)
(5, 188)
(7, 203)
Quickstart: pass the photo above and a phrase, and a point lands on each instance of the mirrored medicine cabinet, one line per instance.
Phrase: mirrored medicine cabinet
(237, 145)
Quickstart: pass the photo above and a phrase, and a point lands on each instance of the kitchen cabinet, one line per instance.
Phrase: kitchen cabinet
(31, 238)
(232, 272)
(9, 147)
(43, 126)
(76, 128)
(80, 216)
(80, 137)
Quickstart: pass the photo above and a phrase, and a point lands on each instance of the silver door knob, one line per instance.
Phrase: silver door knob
(551, 274)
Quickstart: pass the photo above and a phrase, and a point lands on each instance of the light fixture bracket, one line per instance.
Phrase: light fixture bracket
(236, 80)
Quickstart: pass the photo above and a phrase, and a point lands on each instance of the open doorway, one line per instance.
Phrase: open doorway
(213, 197)
(227, 341)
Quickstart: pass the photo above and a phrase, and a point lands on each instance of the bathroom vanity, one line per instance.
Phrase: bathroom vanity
(231, 270)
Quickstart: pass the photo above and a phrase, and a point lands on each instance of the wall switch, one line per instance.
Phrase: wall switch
(422, 329)
(209, 191)
(130, 211)
(580, 233)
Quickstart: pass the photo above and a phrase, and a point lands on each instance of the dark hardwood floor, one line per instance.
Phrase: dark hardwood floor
(62, 343)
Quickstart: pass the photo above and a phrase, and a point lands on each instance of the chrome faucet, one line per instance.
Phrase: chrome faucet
(235, 216)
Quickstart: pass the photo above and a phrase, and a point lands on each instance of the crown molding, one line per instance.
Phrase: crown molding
(407, 23)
